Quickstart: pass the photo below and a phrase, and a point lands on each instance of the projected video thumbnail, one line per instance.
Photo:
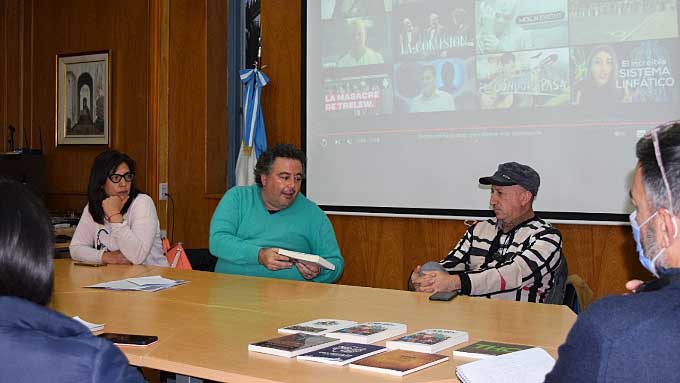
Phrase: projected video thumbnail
(358, 96)
(524, 79)
(335, 9)
(607, 21)
(430, 29)
(356, 42)
(434, 86)
(511, 25)
(643, 72)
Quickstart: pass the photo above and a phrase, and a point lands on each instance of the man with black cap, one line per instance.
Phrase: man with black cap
(513, 256)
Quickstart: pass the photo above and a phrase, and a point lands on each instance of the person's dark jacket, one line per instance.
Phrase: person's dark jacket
(631, 338)
(41, 345)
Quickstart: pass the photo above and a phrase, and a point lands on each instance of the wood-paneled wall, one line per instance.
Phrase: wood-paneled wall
(381, 252)
(48, 28)
(168, 112)
(168, 96)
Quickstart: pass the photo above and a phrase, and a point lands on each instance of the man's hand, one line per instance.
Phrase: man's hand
(435, 281)
(115, 258)
(308, 270)
(272, 260)
(633, 284)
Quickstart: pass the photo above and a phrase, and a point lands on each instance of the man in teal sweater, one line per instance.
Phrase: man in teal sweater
(251, 223)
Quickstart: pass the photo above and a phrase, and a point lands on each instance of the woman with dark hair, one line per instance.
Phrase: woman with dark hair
(598, 86)
(34, 339)
(119, 224)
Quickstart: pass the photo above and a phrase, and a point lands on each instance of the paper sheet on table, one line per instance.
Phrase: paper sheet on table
(92, 326)
(140, 284)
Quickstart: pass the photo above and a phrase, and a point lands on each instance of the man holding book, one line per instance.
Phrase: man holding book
(251, 224)
(513, 256)
(633, 338)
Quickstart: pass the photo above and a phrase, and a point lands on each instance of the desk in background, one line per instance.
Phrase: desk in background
(204, 327)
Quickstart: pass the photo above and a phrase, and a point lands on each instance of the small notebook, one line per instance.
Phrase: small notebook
(526, 366)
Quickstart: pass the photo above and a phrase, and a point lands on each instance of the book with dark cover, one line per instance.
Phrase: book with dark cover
(486, 349)
(398, 362)
(342, 353)
(292, 345)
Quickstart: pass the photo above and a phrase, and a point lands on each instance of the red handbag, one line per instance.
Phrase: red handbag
(176, 256)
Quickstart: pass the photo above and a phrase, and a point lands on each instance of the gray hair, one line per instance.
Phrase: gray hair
(669, 146)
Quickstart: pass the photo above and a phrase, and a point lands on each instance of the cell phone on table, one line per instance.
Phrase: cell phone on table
(90, 264)
(444, 295)
(129, 339)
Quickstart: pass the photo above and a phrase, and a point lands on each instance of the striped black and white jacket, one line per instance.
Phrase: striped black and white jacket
(519, 265)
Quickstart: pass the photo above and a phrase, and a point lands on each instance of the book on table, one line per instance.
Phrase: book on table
(368, 332)
(526, 366)
(342, 353)
(295, 256)
(487, 349)
(399, 362)
(317, 326)
(430, 340)
(292, 345)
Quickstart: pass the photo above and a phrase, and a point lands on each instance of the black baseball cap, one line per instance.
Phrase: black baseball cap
(513, 173)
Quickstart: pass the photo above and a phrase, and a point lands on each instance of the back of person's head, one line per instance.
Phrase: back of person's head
(669, 147)
(103, 166)
(264, 163)
(26, 244)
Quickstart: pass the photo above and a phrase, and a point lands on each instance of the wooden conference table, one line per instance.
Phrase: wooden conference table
(204, 327)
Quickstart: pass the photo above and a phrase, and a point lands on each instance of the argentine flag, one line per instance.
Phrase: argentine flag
(254, 138)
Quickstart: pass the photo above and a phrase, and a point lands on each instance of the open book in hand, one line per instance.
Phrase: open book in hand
(319, 260)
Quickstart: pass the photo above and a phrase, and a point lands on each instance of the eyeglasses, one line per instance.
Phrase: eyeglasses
(654, 133)
(115, 178)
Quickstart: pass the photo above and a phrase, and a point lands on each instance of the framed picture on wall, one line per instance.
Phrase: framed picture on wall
(83, 98)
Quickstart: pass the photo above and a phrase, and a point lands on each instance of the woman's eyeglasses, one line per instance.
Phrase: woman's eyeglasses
(115, 178)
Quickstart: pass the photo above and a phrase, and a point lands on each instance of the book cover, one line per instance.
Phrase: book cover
(317, 326)
(398, 362)
(526, 366)
(486, 349)
(429, 340)
(342, 353)
(292, 345)
(295, 255)
(369, 332)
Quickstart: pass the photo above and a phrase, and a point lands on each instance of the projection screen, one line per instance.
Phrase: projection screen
(406, 103)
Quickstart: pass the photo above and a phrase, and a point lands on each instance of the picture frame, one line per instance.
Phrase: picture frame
(83, 98)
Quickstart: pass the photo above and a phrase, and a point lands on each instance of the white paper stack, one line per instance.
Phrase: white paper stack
(151, 283)
(94, 327)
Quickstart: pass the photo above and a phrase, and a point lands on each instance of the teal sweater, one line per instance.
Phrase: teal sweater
(241, 226)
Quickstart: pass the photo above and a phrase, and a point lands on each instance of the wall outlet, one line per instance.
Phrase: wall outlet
(163, 191)
(164, 234)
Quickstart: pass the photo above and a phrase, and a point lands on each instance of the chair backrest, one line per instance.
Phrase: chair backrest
(582, 291)
(571, 298)
(556, 294)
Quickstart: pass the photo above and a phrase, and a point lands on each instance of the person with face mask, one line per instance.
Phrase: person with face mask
(251, 223)
(633, 338)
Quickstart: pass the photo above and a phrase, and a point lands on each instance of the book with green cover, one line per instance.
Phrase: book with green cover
(487, 349)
